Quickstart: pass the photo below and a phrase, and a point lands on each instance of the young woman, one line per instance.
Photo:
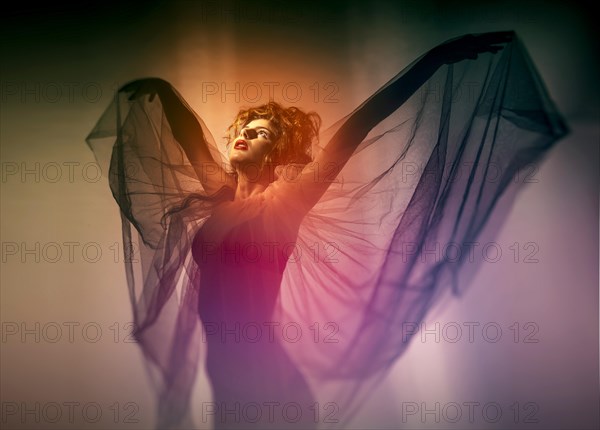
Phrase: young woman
(220, 238)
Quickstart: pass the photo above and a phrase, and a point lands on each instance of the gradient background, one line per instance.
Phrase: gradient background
(60, 67)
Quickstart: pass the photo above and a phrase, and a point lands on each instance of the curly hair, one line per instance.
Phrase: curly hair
(294, 129)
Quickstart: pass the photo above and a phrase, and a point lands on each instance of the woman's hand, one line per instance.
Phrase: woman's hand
(470, 46)
(146, 87)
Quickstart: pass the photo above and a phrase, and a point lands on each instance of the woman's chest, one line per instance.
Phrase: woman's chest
(238, 242)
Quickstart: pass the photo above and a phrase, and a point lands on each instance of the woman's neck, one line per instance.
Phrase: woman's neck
(247, 187)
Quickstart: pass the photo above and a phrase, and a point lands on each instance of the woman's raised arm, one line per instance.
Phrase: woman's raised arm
(317, 176)
(186, 129)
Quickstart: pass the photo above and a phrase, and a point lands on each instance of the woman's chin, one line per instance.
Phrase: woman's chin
(240, 157)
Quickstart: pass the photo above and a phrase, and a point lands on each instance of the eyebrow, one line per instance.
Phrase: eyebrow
(260, 126)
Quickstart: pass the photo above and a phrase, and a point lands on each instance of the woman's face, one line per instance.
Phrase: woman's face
(255, 141)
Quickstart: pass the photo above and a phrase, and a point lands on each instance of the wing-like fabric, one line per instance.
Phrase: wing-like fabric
(389, 237)
(399, 227)
(163, 203)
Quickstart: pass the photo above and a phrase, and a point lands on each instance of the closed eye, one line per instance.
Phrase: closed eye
(252, 133)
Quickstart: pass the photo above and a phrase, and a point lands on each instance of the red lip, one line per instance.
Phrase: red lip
(241, 144)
